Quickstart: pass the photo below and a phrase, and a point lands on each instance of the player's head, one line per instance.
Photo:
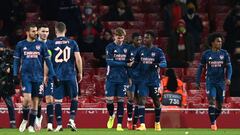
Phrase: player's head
(60, 28)
(43, 31)
(136, 39)
(119, 35)
(148, 38)
(31, 31)
(107, 34)
(215, 40)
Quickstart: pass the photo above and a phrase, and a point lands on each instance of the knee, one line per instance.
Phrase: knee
(120, 99)
(109, 100)
(211, 101)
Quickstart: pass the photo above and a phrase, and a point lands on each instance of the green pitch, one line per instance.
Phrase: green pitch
(168, 131)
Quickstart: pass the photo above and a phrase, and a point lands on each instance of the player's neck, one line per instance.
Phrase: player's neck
(215, 49)
(42, 40)
(118, 43)
(30, 39)
(149, 46)
(60, 35)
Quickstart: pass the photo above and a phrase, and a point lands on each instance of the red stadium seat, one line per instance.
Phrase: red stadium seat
(139, 16)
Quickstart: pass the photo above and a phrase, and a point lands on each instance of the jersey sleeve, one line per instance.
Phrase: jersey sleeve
(76, 48)
(17, 52)
(162, 58)
(110, 59)
(229, 66)
(45, 51)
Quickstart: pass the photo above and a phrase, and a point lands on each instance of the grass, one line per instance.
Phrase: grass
(95, 131)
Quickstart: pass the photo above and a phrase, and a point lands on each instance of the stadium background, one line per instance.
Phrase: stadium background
(148, 16)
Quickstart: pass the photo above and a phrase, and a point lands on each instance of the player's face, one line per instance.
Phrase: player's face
(107, 36)
(32, 33)
(43, 33)
(217, 43)
(118, 39)
(137, 40)
(147, 39)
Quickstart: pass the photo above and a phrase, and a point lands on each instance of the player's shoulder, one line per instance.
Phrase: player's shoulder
(206, 52)
(110, 45)
(157, 49)
(19, 43)
(224, 51)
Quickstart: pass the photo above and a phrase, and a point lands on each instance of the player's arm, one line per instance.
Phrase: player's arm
(110, 60)
(45, 73)
(47, 59)
(78, 60)
(199, 70)
(229, 69)
(163, 62)
(16, 59)
(16, 63)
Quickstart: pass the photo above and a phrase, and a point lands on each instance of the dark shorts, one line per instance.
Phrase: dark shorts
(115, 89)
(66, 88)
(216, 90)
(34, 88)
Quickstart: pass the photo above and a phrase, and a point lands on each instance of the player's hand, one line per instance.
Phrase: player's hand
(16, 81)
(198, 86)
(228, 82)
(130, 63)
(79, 77)
(56, 81)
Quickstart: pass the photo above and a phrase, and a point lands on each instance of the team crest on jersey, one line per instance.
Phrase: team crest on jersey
(25, 48)
(221, 57)
(153, 54)
(23, 88)
(125, 50)
(38, 47)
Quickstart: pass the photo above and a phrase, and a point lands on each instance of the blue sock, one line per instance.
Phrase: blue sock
(217, 113)
(157, 114)
(50, 112)
(130, 109)
(211, 113)
(58, 113)
(110, 108)
(135, 120)
(25, 110)
(141, 112)
(120, 111)
(32, 117)
(39, 111)
(73, 109)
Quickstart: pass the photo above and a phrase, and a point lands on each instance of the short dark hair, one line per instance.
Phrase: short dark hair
(42, 25)
(60, 26)
(213, 36)
(30, 25)
(151, 33)
(135, 34)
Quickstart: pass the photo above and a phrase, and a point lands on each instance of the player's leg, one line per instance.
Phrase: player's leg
(130, 95)
(58, 95)
(11, 113)
(142, 95)
(38, 120)
(110, 93)
(154, 94)
(27, 99)
(135, 117)
(49, 101)
(73, 87)
(219, 98)
(121, 92)
(37, 93)
(211, 91)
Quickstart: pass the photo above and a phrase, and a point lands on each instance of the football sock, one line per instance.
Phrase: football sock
(25, 110)
(50, 112)
(141, 111)
(135, 118)
(157, 114)
(73, 109)
(32, 117)
(211, 113)
(58, 113)
(120, 111)
(130, 109)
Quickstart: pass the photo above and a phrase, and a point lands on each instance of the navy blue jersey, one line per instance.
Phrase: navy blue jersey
(31, 55)
(134, 70)
(117, 57)
(215, 62)
(150, 59)
(63, 57)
